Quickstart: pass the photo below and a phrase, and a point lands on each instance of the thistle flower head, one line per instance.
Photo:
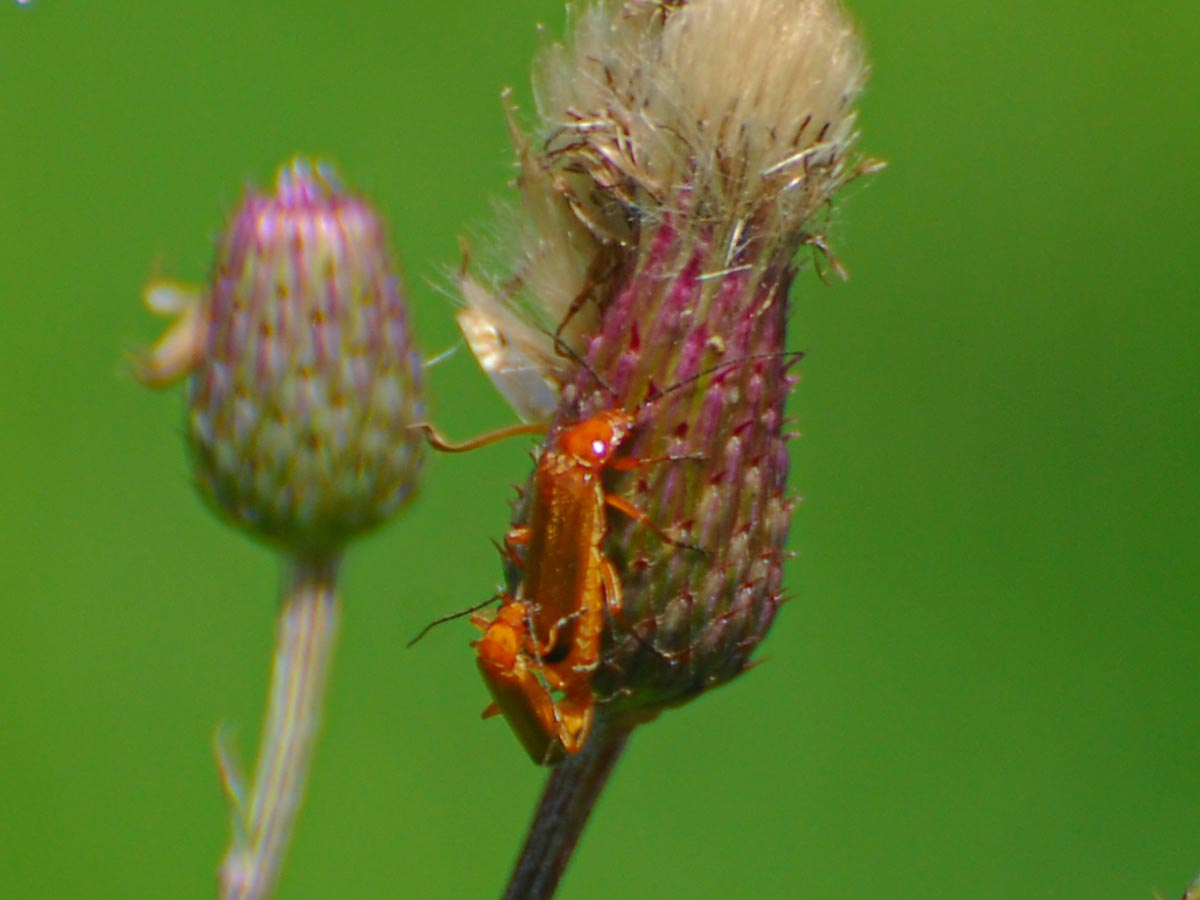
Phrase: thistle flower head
(687, 149)
(304, 380)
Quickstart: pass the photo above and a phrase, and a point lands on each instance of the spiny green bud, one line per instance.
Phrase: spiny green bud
(304, 380)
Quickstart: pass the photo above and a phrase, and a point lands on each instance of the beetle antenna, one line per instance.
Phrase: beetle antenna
(562, 348)
(450, 618)
(655, 394)
(438, 442)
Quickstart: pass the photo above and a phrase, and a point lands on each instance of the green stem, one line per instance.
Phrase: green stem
(263, 819)
(570, 795)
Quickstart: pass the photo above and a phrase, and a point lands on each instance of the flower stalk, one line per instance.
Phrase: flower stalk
(570, 794)
(264, 813)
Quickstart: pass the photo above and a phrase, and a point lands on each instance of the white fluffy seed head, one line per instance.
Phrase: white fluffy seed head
(746, 104)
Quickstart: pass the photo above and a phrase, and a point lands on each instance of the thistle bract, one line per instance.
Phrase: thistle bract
(304, 380)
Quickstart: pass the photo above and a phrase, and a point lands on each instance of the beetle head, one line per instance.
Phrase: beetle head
(593, 441)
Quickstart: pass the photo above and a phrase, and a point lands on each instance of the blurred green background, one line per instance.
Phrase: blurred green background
(987, 683)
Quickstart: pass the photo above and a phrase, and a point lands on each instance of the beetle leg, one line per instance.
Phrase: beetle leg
(517, 536)
(553, 635)
(613, 598)
(572, 674)
(620, 504)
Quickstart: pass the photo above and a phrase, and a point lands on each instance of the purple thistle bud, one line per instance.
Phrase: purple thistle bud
(304, 377)
(304, 387)
(688, 151)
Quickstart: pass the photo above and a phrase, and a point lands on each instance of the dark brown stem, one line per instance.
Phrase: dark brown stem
(570, 794)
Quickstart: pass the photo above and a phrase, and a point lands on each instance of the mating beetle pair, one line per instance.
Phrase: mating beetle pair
(538, 653)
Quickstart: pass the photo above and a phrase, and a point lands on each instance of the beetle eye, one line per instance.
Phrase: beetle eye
(598, 447)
